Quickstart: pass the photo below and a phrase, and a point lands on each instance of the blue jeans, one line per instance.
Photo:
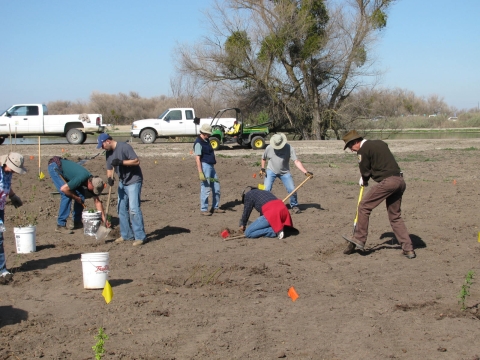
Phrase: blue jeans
(259, 228)
(3, 264)
(65, 201)
(209, 185)
(287, 181)
(129, 212)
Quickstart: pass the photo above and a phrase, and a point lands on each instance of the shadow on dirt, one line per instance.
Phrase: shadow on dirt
(167, 230)
(118, 282)
(44, 263)
(417, 241)
(10, 315)
(44, 247)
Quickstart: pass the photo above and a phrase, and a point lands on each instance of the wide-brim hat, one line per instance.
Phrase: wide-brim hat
(278, 141)
(14, 161)
(350, 136)
(98, 185)
(206, 129)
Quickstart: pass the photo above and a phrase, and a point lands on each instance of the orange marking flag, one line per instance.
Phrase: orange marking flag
(293, 294)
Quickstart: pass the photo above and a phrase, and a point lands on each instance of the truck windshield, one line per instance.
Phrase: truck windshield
(163, 114)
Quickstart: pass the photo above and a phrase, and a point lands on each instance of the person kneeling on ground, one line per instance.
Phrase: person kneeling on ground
(75, 182)
(274, 215)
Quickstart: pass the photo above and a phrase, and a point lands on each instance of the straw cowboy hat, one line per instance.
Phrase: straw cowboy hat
(350, 136)
(278, 141)
(206, 129)
(14, 161)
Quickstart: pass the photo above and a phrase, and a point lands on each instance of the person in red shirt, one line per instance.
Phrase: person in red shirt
(274, 215)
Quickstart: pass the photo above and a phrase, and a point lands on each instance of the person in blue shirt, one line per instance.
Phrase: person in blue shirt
(9, 164)
(122, 157)
(205, 160)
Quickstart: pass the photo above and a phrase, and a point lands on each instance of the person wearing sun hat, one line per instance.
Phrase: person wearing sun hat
(376, 161)
(279, 153)
(74, 182)
(209, 183)
(11, 163)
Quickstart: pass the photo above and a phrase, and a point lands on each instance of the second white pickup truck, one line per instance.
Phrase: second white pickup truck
(172, 123)
(33, 119)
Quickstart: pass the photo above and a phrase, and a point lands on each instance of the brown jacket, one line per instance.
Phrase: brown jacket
(376, 161)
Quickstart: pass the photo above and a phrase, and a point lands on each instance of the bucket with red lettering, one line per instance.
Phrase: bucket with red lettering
(95, 270)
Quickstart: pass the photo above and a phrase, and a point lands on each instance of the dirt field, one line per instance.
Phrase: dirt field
(189, 294)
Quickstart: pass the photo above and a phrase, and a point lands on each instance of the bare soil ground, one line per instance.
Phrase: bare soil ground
(189, 294)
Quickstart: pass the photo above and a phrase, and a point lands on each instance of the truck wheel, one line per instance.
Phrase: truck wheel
(258, 143)
(2, 139)
(84, 138)
(148, 136)
(75, 136)
(215, 142)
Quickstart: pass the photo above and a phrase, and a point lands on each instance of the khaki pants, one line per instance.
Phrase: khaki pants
(391, 190)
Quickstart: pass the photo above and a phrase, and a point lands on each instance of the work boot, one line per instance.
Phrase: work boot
(5, 276)
(350, 249)
(409, 254)
(138, 242)
(75, 225)
(63, 230)
(354, 241)
(206, 213)
(120, 240)
(296, 210)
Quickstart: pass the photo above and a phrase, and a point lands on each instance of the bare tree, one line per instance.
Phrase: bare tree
(299, 59)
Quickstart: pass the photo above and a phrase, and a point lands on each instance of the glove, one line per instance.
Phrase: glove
(361, 182)
(117, 162)
(110, 181)
(263, 173)
(201, 176)
(309, 174)
(16, 201)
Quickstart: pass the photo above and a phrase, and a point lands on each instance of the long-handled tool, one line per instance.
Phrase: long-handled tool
(103, 231)
(360, 195)
(298, 187)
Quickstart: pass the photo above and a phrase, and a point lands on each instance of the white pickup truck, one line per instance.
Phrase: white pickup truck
(33, 119)
(172, 123)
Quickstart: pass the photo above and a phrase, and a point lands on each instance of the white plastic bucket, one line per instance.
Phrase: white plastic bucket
(91, 222)
(95, 270)
(25, 239)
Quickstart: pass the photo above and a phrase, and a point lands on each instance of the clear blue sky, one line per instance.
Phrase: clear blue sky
(65, 49)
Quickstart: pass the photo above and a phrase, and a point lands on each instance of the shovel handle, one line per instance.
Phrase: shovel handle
(360, 195)
(298, 187)
(235, 237)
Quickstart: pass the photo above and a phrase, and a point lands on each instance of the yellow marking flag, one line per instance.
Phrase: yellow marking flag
(41, 176)
(107, 292)
(261, 187)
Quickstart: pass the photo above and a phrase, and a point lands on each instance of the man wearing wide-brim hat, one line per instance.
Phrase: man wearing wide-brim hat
(11, 163)
(205, 160)
(376, 162)
(279, 153)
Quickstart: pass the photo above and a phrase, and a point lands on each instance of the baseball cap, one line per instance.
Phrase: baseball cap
(102, 138)
(98, 185)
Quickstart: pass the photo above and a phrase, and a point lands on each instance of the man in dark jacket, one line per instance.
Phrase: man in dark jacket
(377, 162)
(274, 215)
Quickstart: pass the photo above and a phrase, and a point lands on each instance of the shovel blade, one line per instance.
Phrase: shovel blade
(102, 233)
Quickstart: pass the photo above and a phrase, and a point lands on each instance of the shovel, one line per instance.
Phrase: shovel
(360, 195)
(103, 231)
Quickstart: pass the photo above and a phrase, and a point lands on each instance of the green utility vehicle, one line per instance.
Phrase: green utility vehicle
(253, 136)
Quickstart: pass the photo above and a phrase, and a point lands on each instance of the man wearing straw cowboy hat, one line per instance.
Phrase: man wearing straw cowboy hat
(279, 154)
(11, 163)
(376, 162)
(75, 182)
(205, 160)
